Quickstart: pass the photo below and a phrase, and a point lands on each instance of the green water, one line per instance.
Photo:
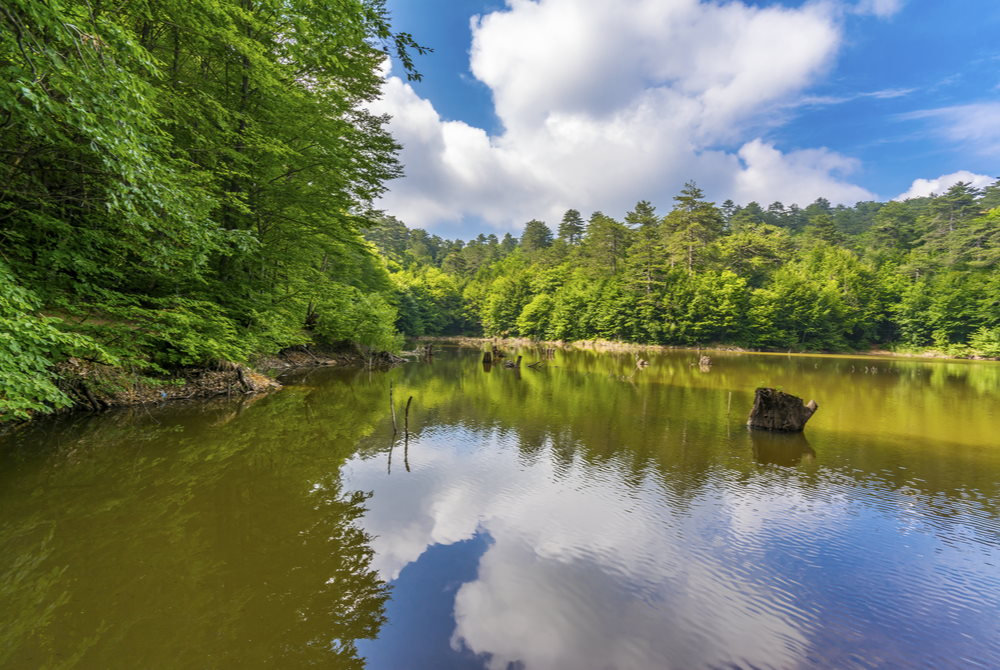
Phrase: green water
(585, 514)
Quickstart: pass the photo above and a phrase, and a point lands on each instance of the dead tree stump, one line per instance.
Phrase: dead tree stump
(776, 410)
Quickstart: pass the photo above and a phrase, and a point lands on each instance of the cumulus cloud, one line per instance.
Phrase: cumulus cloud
(921, 188)
(786, 176)
(607, 102)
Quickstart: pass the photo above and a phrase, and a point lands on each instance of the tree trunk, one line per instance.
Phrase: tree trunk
(775, 410)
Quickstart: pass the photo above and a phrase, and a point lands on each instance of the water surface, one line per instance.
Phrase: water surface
(585, 514)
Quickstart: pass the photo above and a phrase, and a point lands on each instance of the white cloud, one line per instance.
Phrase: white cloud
(607, 102)
(880, 8)
(595, 564)
(921, 188)
(588, 582)
(786, 176)
(975, 126)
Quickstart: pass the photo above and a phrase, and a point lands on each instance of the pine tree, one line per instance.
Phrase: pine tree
(572, 227)
(691, 226)
(536, 236)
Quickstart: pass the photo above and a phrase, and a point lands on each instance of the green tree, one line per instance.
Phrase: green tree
(536, 236)
(755, 251)
(605, 243)
(691, 226)
(534, 319)
(572, 227)
(646, 251)
(821, 228)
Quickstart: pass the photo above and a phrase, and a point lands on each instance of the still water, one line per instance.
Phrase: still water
(582, 515)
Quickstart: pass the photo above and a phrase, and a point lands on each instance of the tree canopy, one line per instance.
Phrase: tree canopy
(915, 274)
(184, 182)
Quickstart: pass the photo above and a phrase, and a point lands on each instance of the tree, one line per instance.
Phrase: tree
(571, 227)
(728, 209)
(822, 229)
(750, 215)
(755, 251)
(605, 243)
(646, 250)
(536, 236)
(183, 181)
(892, 229)
(534, 319)
(691, 226)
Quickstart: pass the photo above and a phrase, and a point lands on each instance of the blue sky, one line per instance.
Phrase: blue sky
(530, 107)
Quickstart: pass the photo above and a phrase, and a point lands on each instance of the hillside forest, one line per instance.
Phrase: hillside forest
(184, 182)
(911, 275)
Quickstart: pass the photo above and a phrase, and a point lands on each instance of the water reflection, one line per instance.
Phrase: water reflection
(583, 570)
(585, 514)
(167, 539)
(626, 530)
(775, 448)
(587, 567)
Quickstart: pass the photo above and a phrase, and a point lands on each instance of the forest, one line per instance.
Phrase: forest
(184, 182)
(908, 276)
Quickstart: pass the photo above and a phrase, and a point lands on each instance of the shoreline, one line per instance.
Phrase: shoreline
(611, 346)
(95, 387)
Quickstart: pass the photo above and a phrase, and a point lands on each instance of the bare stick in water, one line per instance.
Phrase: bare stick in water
(406, 434)
(406, 451)
(406, 417)
(392, 408)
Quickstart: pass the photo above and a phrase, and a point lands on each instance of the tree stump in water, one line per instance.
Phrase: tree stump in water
(775, 410)
(512, 364)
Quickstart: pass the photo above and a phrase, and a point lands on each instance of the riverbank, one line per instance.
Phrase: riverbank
(94, 387)
(609, 345)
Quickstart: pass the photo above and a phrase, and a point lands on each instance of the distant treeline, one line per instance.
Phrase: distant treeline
(915, 274)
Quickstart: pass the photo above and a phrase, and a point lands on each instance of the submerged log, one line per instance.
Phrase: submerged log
(776, 410)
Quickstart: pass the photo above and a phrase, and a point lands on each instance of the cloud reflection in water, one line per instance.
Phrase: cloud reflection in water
(587, 569)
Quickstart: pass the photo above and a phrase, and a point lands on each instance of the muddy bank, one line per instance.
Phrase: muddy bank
(94, 387)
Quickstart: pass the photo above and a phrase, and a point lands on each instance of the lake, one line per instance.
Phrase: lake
(584, 514)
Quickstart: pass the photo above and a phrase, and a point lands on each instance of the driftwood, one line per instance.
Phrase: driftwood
(776, 410)
(487, 357)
